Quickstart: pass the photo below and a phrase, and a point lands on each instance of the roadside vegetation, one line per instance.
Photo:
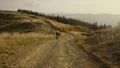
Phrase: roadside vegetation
(16, 45)
(105, 45)
(19, 33)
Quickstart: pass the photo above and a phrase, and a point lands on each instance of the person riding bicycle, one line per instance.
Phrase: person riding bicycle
(58, 34)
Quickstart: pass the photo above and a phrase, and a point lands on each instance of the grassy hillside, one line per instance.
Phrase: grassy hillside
(105, 45)
(19, 22)
(17, 45)
(75, 30)
(20, 32)
(65, 20)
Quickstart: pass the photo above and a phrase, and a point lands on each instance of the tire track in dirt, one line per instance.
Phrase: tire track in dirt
(38, 54)
(58, 53)
(68, 55)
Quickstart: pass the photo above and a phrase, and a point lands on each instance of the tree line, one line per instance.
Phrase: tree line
(71, 21)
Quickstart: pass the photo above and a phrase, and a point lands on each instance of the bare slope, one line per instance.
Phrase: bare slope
(19, 22)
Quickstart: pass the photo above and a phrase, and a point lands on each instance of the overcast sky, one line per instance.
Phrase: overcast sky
(64, 6)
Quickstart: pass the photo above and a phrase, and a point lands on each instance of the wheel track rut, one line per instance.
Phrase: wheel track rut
(58, 53)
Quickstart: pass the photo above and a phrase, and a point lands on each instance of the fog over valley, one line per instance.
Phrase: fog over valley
(108, 19)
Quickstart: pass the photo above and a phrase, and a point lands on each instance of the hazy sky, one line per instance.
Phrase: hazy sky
(64, 6)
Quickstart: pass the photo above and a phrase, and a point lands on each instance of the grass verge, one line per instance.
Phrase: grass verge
(15, 45)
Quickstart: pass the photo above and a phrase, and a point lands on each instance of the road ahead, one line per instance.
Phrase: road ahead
(60, 53)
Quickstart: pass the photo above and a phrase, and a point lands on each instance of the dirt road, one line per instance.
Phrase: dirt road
(60, 53)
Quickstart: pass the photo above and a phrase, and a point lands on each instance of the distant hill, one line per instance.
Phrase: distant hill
(92, 18)
(29, 21)
(12, 21)
(61, 18)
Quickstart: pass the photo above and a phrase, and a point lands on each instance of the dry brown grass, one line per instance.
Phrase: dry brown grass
(61, 26)
(75, 30)
(11, 21)
(104, 44)
(15, 39)
(11, 45)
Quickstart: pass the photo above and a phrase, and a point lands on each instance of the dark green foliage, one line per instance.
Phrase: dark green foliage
(30, 12)
(65, 20)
